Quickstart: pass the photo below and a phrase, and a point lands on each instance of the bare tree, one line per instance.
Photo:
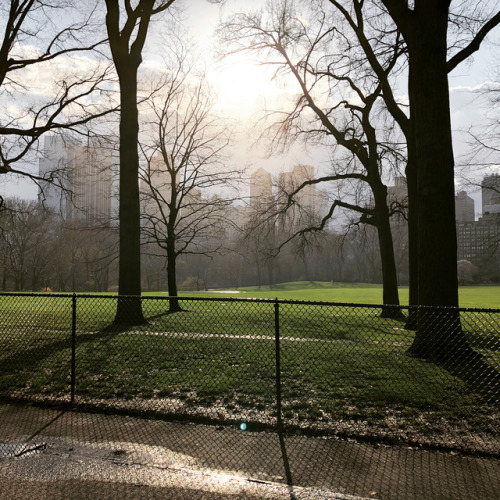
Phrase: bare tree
(127, 28)
(336, 105)
(38, 94)
(186, 161)
(26, 239)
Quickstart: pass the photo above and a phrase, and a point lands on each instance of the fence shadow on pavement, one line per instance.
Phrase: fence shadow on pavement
(92, 450)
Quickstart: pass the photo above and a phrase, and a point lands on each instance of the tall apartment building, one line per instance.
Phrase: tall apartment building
(290, 181)
(85, 184)
(155, 185)
(261, 188)
(490, 192)
(464, 208)
(479, 241)
(53, 166)
(397, 200)
(310, 202)
(399, 191)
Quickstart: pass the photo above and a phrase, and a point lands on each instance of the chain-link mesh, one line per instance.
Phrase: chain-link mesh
(425, 377)
(212, 360)
(35, 339)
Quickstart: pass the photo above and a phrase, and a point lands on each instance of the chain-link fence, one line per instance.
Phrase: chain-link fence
(328, 368)
(425, 377)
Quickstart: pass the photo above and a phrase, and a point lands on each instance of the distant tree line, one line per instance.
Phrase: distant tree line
(41, 251)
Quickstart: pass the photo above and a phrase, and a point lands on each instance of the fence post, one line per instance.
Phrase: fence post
(278, 363)
(73, 346)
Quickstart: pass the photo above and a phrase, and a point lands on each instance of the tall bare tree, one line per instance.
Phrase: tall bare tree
(336, 105)
(127, 26)
(189, 149)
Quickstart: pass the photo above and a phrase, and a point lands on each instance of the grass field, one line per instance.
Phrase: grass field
(343, 369)
(470, 296)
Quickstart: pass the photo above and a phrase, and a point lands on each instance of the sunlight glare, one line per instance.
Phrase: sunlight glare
(244, 84)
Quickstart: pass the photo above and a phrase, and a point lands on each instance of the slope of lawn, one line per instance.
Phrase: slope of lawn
(361, 293)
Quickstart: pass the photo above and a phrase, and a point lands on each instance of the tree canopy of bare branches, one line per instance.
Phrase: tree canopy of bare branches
(40, 92)
(184, 163)
(336, 104)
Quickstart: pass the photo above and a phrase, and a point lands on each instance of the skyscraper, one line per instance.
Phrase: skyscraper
(82, 180)
(464, 208)
(155, 186)
(490, 191)
(261, 188)
(310, 202)
(53, 167)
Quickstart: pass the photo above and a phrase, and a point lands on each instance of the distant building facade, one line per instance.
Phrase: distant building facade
(464, 208)
(309, 198)
(261, 189)
(155, 187)
(479, 241)
(309, 204)
(81, 181)
(398, 192)
(490, 192)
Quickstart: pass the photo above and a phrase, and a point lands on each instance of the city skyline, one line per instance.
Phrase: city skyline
(85, 177)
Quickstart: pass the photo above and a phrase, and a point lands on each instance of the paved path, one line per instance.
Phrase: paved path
(53, 454)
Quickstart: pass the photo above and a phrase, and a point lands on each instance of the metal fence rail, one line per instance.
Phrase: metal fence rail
(306, 367)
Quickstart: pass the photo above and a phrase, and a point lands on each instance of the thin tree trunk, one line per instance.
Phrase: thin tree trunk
(390, 293)
(174, 305)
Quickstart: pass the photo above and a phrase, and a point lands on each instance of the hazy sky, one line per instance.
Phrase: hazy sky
(243, 87)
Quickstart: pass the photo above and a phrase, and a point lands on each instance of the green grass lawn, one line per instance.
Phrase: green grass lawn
(343, 368)
(470, 296)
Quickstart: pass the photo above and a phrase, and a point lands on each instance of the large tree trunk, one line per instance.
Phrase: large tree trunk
(129, 310)
(438, 336)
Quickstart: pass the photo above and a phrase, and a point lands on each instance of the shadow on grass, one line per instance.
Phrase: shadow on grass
(168, 312)
(33, 359)
(479, 375)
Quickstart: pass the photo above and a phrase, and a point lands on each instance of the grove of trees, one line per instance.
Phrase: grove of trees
(372, 85)
(41, 251)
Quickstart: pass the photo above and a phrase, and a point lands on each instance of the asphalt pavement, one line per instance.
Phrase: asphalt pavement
(62, 454)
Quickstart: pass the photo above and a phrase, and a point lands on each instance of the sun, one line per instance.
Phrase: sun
(244, 84)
